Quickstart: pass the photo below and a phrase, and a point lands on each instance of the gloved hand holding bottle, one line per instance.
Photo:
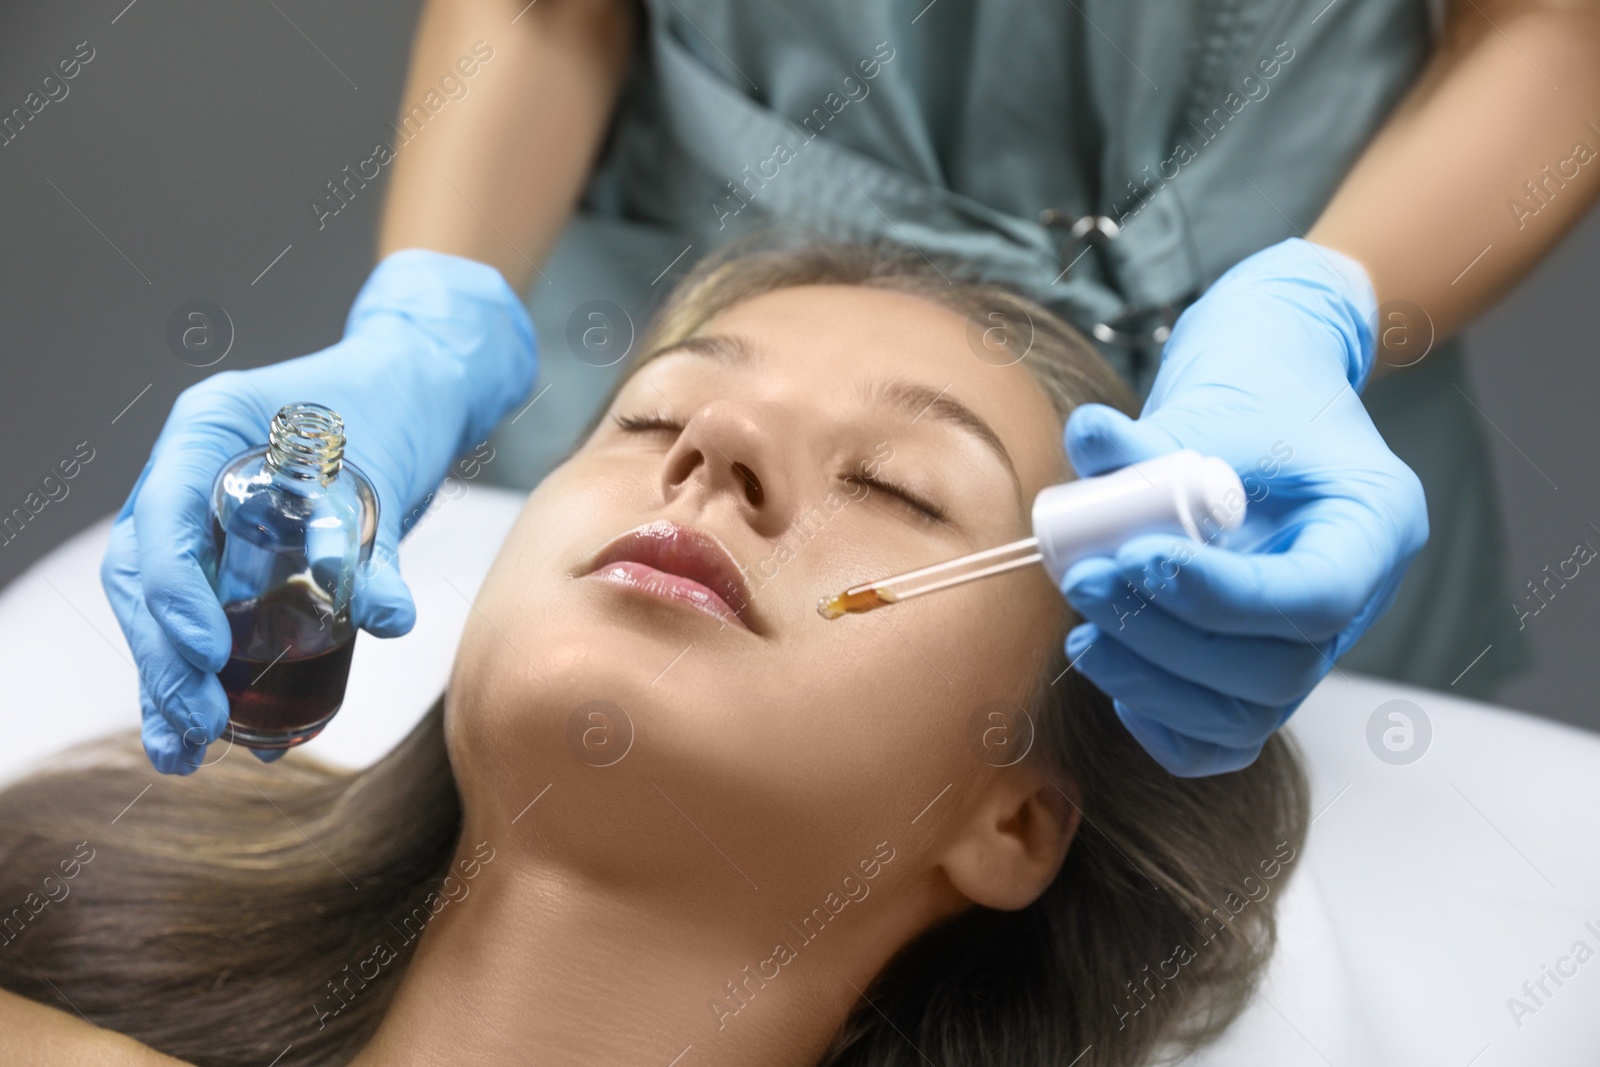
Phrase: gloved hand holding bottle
(1209, 651)
(436, 349)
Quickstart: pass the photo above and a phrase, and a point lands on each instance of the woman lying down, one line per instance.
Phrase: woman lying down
(650, 824)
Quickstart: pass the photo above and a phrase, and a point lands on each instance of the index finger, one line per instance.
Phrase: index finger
(1337, 562)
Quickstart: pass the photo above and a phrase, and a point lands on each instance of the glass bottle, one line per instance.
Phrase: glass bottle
(293, 520)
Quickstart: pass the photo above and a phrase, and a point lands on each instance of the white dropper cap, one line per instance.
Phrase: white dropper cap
(1182, 493)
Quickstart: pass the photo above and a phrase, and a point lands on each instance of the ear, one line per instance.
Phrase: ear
(1013, 846)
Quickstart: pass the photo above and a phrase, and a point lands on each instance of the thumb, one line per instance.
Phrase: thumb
(1100, 439)
(382, 603)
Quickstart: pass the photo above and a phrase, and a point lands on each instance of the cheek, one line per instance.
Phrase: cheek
(914, 697)
(956, 670)
(564, 521)
(497, 680)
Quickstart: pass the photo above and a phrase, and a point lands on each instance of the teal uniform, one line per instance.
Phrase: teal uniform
(1110, 158)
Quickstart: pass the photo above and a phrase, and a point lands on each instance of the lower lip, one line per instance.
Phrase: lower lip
(647, 579)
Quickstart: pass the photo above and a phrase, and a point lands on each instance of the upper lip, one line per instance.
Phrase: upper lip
(686, 552)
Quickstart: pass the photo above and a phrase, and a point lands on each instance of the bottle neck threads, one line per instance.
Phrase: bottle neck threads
(306, 440)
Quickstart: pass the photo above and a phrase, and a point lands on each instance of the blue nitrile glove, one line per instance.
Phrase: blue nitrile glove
(1207, 657)
(435, 350)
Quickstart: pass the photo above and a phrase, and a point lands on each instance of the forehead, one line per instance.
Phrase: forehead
(833, 343)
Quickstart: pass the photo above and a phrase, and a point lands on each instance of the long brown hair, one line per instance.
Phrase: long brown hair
(233, 916)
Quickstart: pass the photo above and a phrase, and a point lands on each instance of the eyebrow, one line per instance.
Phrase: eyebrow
(914, 398)
(722, 347)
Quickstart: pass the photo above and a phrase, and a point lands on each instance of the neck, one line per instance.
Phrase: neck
(525, 962)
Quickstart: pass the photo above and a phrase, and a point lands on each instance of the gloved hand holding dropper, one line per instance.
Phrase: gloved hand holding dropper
(1206, 664)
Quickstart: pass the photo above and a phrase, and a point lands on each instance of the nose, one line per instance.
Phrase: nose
(731, 450)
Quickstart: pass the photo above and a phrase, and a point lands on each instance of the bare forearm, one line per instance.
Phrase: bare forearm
(33, 1033)
(494, 175)
(1431, 207)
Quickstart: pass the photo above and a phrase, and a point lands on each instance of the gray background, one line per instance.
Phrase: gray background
(184, 159)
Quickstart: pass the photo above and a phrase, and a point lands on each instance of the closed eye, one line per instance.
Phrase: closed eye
(925, 508)
(646, 423)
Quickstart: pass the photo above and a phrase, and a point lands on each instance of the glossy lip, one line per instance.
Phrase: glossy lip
(676, 562)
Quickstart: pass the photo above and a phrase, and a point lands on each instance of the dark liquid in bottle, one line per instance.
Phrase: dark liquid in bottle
(289, 666)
